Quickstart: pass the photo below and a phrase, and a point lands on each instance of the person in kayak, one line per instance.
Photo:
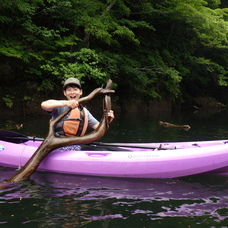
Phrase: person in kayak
(79, 118)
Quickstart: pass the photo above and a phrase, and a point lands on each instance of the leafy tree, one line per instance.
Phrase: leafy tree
(152, 49)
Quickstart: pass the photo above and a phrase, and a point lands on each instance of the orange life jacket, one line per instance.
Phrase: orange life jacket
(75, 124)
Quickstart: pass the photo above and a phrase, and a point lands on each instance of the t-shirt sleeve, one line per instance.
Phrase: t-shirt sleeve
(57, 111)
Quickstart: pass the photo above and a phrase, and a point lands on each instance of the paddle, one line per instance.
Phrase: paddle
(15, 137)
(132, 146)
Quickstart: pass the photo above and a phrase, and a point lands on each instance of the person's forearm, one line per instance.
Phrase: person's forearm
(49, 105)
(111, 118)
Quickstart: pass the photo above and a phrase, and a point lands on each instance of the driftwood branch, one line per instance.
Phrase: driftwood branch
(52, 142)
(166, 124)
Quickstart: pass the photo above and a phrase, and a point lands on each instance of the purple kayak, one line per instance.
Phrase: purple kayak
(128, 160)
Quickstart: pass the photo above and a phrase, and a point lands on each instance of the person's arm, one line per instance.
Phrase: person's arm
(49, 105)
(111, 117)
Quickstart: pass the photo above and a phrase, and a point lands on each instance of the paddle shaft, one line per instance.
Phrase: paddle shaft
(132, 146)
(10, 136)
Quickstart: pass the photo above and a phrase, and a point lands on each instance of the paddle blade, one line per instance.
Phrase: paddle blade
(11, 136)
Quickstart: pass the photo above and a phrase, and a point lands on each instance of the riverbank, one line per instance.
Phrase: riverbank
(24, 105)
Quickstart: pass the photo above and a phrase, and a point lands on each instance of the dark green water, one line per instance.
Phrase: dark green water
(55, 200)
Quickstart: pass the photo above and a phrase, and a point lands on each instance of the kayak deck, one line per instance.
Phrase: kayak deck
(143, 146)
(158, 160)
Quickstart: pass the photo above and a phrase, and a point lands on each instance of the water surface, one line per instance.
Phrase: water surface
(57, 200)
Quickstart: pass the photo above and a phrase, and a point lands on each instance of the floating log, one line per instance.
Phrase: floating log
(166, 124)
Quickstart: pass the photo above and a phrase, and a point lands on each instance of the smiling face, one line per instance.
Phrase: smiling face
(72, 93)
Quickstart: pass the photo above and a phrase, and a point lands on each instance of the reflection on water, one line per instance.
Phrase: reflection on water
(57, 200)
(143, 127)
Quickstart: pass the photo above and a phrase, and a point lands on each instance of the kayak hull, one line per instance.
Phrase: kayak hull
(173, 160)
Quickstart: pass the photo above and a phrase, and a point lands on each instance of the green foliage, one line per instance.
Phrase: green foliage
(46, 85)
(218, 71)
(27, 98)
(208, 24)
(80, 64)
(151, 49)
(8, 100)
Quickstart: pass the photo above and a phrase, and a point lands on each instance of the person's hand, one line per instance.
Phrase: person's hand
(72, 104)
(111, 116)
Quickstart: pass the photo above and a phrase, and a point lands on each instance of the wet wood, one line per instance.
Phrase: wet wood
(52, 142)
(10, 125)
(166, 124)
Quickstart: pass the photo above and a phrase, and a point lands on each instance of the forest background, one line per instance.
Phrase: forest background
(159, 53)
